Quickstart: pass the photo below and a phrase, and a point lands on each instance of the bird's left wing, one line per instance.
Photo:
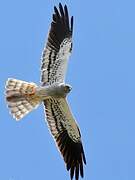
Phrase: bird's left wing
(58, 48)
(66, 134)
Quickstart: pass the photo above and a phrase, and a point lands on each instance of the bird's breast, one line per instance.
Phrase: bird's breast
(50, 91)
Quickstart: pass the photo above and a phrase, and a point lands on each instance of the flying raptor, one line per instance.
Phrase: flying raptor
(22, 97)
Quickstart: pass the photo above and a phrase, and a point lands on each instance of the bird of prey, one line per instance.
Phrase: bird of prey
(22, 97)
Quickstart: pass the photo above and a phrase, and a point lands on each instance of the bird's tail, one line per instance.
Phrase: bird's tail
(21, 97)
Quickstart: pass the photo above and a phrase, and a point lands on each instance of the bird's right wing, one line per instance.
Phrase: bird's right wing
(66, 134)
(58, 48)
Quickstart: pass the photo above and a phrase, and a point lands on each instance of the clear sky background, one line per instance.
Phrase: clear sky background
(102, 73)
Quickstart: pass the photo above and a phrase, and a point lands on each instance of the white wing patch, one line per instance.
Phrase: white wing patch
(55, 64)
(59, 117)
(63, 57)
(58, 47)
(66, 134)
(48, 61)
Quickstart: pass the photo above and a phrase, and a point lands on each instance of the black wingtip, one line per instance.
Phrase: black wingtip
(60, 5)
(66, 11)
(83, 155)
(77, 172)
(84, 159)
(81, 170)
(72, 172)
(65, 7)
(55, 8)
(56, 11)
(61, 9)
(72, 24)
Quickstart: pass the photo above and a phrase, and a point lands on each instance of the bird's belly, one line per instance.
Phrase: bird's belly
(47, 92)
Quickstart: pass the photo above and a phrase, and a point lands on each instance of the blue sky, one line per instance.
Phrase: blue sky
(102, 73)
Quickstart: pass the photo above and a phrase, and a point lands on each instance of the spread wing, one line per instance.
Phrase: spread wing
(58, 48)
(66, 134)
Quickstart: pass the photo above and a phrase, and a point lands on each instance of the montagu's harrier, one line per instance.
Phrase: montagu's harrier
(22, 97)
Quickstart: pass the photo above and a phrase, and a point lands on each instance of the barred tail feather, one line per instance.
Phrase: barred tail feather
(20, 97)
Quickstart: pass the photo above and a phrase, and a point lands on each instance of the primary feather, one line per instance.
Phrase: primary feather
(58, 48)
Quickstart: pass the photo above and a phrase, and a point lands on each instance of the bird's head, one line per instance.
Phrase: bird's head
(67, 88)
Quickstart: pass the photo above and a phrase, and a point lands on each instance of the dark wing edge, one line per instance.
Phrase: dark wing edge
(60, 30)
(60, 27)
(72, 152)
